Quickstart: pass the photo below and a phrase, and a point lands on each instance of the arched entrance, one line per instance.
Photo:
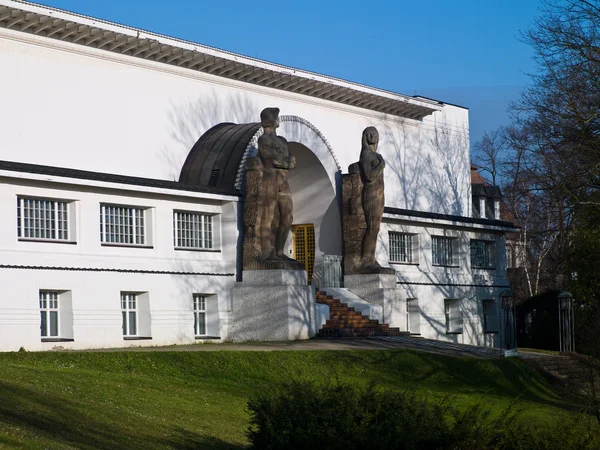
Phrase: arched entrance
(315, 207)
(218, 159)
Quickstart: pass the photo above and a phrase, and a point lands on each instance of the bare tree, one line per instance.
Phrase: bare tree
(548, 163)
(488, 154)
(561, 108)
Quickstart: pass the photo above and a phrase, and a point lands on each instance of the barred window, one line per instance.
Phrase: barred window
(443, 251)
(401, 247)
(122, 225)
(199, 314)
(192, 230)
(42, 219)
(483, 254)
(49, 313)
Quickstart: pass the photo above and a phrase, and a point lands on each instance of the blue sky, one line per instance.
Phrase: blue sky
(459, 51)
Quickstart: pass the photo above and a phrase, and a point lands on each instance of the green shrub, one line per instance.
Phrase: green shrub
(305, 415)
(302, 415)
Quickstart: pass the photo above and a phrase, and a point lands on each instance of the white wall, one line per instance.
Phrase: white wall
(70, 106)
(432, 284)
(95, 293)
(77, 107)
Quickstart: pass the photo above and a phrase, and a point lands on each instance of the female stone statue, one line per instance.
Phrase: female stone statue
(371, 165)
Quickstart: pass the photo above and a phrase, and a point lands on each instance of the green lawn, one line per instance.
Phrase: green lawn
(135, 400)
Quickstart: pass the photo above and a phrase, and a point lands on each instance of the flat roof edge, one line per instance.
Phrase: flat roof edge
(83, 30)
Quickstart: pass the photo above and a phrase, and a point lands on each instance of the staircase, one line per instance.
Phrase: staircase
(346, 322)
(571, 370)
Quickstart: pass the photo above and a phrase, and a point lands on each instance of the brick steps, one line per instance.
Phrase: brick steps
(345, 321)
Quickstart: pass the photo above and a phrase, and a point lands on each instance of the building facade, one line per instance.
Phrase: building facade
(122, 159)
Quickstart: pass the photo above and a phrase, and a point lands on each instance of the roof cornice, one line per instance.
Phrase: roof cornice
(65, 26)
(37, 172)
(448, 219)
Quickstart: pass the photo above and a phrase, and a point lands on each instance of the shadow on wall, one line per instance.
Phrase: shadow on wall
(452, 148)
(217, 291)
(329, 238)
(191, 118)
(470, 307)
(274, 313)
(445, 284)
(427, 170)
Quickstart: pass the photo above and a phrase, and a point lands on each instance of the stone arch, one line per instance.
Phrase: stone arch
(218, 159)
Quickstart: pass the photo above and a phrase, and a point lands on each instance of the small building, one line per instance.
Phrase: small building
(122, 159)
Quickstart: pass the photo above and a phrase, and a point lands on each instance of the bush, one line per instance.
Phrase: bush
(305, 415)
(302, 415)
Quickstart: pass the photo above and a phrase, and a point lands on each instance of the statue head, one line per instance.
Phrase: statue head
(370, 136)
(269, 117)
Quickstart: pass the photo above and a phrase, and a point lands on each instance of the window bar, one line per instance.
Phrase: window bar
(54, 219)
(20, 219)
(107, 224)
(202, 233)
(209, 243)
(136, 237)
(110, 225)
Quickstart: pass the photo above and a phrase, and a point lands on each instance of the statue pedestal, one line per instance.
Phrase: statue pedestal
(381, 289)
(273, 305)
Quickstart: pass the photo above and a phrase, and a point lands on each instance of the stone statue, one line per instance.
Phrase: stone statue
(268, 207)
(371, 165)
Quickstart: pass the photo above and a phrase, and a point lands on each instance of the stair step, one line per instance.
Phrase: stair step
(568, 370)
(355, 332)
(345, 321)
(342, 316)
(354, 321)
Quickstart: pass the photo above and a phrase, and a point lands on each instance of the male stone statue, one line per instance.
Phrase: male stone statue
(276, 202)
(371, 165)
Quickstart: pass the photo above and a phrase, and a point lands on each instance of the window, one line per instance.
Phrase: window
(403, 247)
(443, 251)
(42, 219)
(135, 312)
(192, 230)
(129, 312)
(56, 315)
(483, 254)
(199, 314)
(453, 316)
(490, 316)
(475, 207)
(490, 208)
(123, 225)
(413, 316)
(510, 262)
(49, 313)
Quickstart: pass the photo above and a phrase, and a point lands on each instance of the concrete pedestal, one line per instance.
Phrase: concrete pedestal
(381, 289)
(273, 305)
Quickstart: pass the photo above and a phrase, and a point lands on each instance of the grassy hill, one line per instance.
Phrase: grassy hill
(133, 400)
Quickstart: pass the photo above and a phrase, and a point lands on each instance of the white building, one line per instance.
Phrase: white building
(96, 123)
